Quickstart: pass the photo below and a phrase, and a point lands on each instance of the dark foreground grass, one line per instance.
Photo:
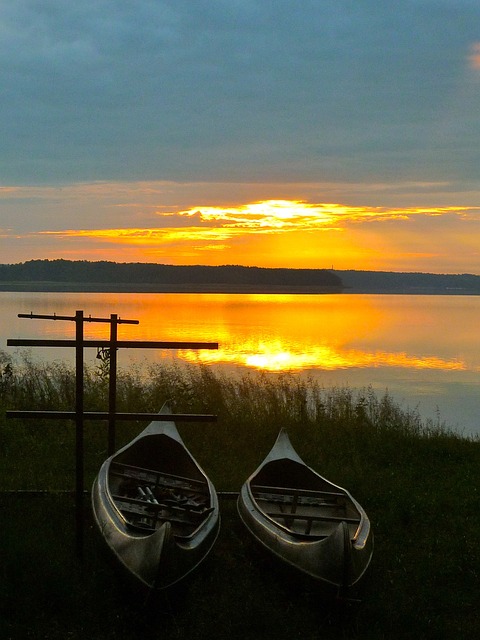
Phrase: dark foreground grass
(417, 482)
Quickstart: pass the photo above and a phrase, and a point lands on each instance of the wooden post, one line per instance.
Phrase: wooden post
(112, 384)
(79, 417)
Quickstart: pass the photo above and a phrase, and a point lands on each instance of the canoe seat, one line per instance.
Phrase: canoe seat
(294, 501)
(297, 491)
(292, 497)
(158, 478)
(140, 527)
(309, 520)
(135, 509)
(166, 506)
(137, 524)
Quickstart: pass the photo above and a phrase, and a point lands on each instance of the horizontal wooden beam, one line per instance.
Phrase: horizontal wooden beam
(122, 344)
(41, 316)
(104, 415)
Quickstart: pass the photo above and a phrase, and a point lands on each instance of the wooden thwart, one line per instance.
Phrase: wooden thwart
(293, 503)
(293, 497)
(311, 518)
(311, 493)
(159, 478)
(154, 508)
(153, 511)
(104, 415)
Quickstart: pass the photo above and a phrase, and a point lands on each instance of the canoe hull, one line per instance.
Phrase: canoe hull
(154, 546)
(305, 520)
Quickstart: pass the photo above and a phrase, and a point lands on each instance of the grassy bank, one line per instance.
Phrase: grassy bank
(417, 482)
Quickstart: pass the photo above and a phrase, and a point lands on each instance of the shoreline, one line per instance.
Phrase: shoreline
(139, 287)
(213, 288)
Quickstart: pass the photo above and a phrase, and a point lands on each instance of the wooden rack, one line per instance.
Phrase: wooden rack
(80, 415)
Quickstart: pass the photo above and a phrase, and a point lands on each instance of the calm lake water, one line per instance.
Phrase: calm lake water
(425, 350)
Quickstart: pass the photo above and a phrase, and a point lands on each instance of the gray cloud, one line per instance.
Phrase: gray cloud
(237, 90)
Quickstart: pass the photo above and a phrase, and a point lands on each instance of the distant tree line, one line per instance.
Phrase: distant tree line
(103, 273)
(389, 281)
(83, 271)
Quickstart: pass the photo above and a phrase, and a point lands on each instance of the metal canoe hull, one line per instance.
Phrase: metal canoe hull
(161, 557)
(341, 552)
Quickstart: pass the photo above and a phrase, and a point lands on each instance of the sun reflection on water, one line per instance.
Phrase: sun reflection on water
(273, 357)
(278, 333)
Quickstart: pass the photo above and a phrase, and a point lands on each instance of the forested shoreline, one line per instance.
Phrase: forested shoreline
(84, 272)
(82, 275)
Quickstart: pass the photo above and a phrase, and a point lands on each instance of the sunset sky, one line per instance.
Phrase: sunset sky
(316, 133)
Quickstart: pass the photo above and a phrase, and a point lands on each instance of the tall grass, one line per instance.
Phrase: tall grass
(333, 427)
(417, 480)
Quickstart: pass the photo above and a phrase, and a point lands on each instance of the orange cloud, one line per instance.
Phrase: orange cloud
(145, 236)
(217, 227)
(288, 215)
(294, 233)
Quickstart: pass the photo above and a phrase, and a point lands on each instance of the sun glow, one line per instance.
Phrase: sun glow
(270, 216)
(297, 214)
(279, 233)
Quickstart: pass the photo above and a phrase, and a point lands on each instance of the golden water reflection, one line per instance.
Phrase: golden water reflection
(284, 332)
(300, 332)
(272, 357)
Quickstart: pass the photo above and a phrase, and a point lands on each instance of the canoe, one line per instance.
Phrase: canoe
(155, 507)
(305, 520)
